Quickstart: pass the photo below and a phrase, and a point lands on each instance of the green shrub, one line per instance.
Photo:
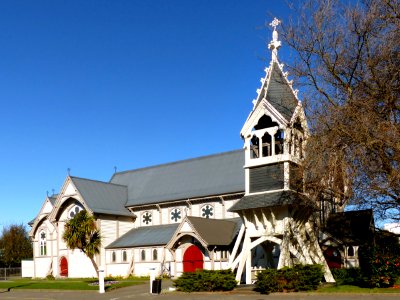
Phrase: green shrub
(206, 280)
(379, 268)
(298, 278)
(352, 276)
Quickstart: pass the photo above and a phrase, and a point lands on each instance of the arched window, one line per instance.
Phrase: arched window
(143, 255)
(266, 145)
(43, 243)
(279, 140)
(350, 251)
(113, 256)
(155, 254)
(254, 146)
(124, 256)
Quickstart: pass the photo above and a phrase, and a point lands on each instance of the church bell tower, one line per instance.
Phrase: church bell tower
(277, 230)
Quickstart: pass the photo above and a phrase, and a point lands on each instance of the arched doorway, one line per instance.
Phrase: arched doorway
(192, 259)
(63, 267)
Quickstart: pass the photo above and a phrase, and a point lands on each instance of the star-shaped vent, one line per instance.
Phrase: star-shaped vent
(207, 211)
(147, 218)
(175, 215)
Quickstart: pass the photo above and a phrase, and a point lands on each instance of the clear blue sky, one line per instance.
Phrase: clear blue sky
(89, 85)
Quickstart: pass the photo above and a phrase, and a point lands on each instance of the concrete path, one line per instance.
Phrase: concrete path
(142, 292)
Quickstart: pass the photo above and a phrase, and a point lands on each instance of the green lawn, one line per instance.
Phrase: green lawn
(332, 288)
(64, 284)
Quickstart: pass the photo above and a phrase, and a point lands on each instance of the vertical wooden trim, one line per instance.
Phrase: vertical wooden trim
(236, 247)
(244, 257)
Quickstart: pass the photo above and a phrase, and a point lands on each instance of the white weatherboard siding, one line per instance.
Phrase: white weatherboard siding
(41, 265)
(27, 269)
(124, 227)
(117, 269)
(78, 258)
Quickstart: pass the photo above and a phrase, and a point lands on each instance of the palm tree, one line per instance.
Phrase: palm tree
(81, 233)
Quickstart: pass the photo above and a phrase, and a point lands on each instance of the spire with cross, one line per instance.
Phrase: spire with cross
(274, 45)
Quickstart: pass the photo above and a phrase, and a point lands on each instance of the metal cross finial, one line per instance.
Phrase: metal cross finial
(274, 45)
(275, 22)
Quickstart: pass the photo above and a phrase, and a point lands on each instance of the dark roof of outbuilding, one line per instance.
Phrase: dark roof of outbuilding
(215, 231)
(194, 178)
(103, 197)
(269, 200)
(351, 227)
(145, 236)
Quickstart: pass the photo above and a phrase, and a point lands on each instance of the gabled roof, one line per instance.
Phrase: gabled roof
(194, 178)
(276, 98)
(279, 93)
(42, 213)
(103, 197)
(215, 231)
(145, 236)
(53, 199)
(269, 200)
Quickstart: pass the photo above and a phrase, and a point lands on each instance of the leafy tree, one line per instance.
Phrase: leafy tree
(347, 62)
(14, 245)
(81, 233)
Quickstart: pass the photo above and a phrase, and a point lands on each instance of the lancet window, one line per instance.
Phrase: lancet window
(155, 254)
(43, 243)
(124, 256)
(143, 255)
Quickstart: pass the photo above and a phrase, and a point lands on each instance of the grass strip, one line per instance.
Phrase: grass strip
(63, 284)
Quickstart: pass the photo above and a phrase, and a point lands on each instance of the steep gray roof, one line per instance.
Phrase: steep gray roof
(279, 93)
(199, 177)
(53, 199)
(103, 197)
(215, 231)
(269, 200)
(145, 236)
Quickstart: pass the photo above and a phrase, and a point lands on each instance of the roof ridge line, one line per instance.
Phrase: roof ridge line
(177, 162)
(97, 181)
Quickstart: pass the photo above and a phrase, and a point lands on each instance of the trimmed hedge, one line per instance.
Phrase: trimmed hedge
(298, 278)
(352, 276)
(206, 280)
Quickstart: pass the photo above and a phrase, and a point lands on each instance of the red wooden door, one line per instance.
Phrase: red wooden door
(63, 267)
(192, 259)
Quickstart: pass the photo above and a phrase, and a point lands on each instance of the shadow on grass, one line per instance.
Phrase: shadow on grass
(15, 287)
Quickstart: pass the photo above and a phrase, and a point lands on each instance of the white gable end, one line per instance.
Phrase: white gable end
(186, 227)
(47, 208)
(69, 190)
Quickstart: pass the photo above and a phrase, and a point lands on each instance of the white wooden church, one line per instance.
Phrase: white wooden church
(241, 209)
